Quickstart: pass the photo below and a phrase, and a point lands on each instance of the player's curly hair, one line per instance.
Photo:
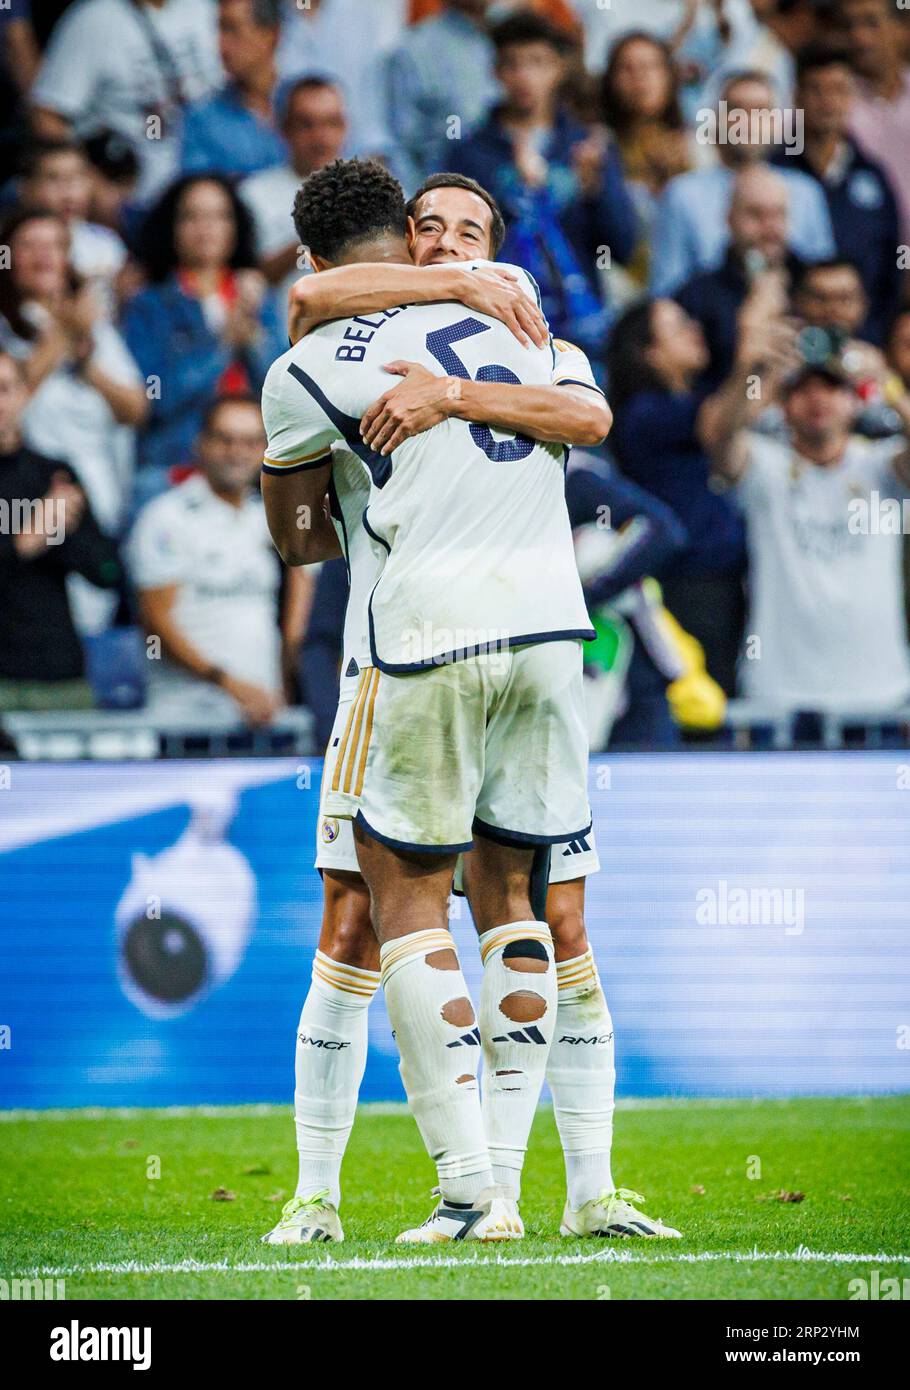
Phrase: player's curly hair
(347, 202)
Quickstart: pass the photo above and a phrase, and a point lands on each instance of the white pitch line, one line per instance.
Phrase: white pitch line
(332, 1266)
(263, 1110)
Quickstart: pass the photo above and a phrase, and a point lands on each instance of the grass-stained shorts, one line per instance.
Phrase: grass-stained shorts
(493, 744)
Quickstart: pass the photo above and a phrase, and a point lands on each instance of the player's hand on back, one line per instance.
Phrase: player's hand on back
(416, 405)
(495, 291)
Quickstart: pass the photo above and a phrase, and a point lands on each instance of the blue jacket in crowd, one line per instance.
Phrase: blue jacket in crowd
(865, 221)
(223, 133)
(655, 444)
(167, 333)
(556, 232)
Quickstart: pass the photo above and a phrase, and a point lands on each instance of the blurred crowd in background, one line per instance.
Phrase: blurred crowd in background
(714, 198)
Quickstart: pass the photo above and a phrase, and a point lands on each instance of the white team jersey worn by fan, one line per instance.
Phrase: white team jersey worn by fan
(349, 494)
(827, 599)
(223, 562)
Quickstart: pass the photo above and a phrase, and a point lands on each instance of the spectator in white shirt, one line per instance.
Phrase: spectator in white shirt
(208, 580)
(58, 178)
(315, 127)
(87, 398)
(346, 40)
(824, 511)
(130, 66)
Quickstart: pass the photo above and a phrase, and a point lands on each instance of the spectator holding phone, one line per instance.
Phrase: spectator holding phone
(758, 268)
(822, 510)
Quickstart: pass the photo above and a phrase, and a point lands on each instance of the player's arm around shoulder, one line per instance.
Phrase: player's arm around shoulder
(586, 417)
(571, 409)
(364, 288)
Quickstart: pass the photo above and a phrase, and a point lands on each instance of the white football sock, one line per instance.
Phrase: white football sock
(437, 1036)
(582, 1078)
(329, 1062)
(514, 1052)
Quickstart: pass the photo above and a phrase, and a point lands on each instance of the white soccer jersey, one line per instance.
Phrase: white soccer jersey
(349, 495)
(472, 523)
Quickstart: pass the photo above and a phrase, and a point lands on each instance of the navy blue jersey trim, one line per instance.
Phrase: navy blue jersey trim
(518, 837)
(336, 511)
(361, 820)
(297, 467)
(375, 534)
(539, 882)
(536, 289)
(573, 381)
(448, 658)
(379, 467)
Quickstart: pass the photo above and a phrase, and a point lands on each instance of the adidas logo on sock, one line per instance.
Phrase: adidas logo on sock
(471, 1039)
(523, 1035)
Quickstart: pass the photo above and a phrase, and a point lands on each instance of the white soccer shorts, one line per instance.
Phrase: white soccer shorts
(494, 745)
(334, 835)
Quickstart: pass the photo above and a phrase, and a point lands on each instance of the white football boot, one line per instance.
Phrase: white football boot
(612, 1214)
(494, 1216)
(306, 1221)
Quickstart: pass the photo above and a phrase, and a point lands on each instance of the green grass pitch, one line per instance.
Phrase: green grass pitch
(77, 1202)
